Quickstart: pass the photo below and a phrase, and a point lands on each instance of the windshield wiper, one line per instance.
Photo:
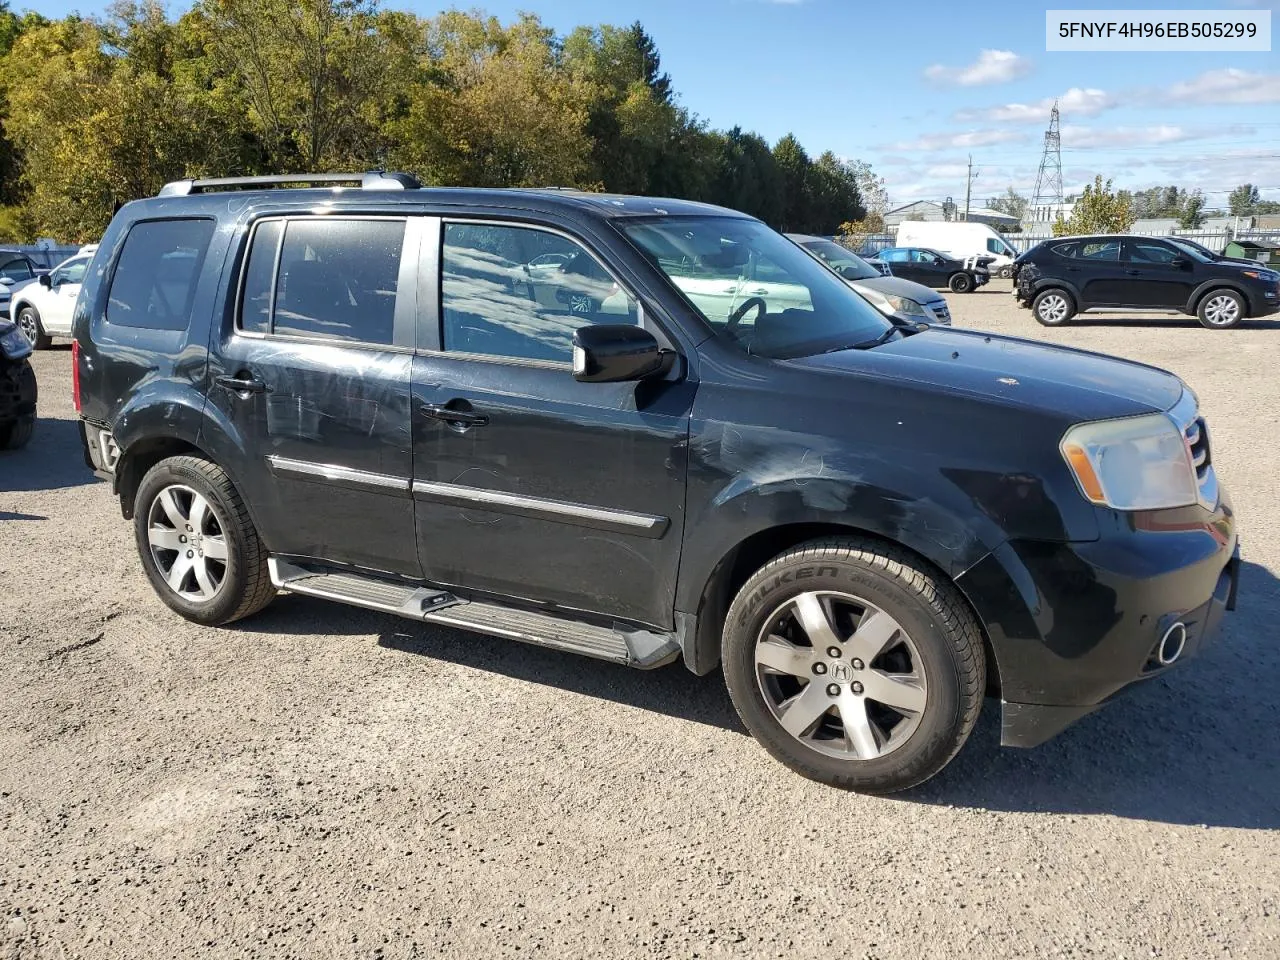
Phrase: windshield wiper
(876, 341)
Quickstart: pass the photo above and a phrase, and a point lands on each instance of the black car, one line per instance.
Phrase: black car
(1062, 277)
(18, 392)
(644, 430)
(937, 270)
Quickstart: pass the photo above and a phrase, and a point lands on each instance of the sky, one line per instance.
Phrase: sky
(917, 87)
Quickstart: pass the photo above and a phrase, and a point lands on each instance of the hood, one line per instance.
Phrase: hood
(898, 287)
(1075, 383)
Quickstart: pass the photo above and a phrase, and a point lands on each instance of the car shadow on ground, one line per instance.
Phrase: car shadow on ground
(54, 459)
(1196, 746)
(1171, 320)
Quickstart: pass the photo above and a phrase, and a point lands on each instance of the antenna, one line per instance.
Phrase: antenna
(1047, 201)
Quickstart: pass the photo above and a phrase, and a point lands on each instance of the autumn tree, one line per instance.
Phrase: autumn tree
(1098, 210)
(1192, 215)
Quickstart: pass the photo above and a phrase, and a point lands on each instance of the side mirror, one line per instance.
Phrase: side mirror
(613, 352)
(850, 272)
(45, 281)
(7, 281)
(1180, 262)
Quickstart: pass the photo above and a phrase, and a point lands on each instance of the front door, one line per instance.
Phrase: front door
(64, 287)
(313, 378)
(1159, 275)
(528, 484)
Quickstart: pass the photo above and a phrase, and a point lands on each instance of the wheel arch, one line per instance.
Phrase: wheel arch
(735, 567)
(1213, 286)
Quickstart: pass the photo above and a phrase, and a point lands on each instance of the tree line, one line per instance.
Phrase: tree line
(97, 112)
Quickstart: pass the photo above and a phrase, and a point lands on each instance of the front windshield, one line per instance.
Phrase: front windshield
(755, 287)
(1203, 254)
(839, 259)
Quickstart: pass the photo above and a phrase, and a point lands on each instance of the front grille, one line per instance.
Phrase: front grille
(941, 311)
(1198, 443)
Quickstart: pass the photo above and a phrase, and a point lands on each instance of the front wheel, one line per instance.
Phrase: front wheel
(854, 664)
(960, 283)
(198, 546)
(1006, 272)
(29, 324)
(1221, 309)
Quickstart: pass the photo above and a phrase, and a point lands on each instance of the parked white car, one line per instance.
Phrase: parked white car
(960, 239)
(42, 307)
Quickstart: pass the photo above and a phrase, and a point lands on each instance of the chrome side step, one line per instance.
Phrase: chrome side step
(403, 599)
(619, 643)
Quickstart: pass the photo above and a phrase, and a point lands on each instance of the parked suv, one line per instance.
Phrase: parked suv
(1062, 277)
(934, 269)
(644, 430)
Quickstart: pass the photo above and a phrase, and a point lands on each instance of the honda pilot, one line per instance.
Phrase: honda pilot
(645, 431)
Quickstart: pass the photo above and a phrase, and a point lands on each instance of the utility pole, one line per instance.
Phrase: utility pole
(968, 187)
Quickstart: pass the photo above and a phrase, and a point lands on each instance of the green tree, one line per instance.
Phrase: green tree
(1012, 203)
(794, 170)
(1243, 200)
(1192, 215)
(1099, 210)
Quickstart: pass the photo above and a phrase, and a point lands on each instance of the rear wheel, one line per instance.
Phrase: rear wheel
(854, 665)
(1053, 308)
(29, 323)
(960, 283)
(198, 546)
(1006, 271)
(1221, 309)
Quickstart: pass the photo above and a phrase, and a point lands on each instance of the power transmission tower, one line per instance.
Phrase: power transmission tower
(1049, 180)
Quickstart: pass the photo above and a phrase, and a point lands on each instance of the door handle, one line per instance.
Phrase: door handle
(462, 418)
(242, 384)
(759, 291)
(1134, 273)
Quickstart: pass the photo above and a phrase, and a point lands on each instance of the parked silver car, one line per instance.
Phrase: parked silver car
(904, 300)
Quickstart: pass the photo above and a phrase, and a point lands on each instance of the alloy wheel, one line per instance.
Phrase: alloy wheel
(1222, 310)
(28, 324)
(840, 675)
(188, 543)
(1053, 308)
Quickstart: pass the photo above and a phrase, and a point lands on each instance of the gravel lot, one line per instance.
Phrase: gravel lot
(323, 781)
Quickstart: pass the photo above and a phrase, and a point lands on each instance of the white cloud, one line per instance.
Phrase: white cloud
(1076, 102)
(961, 141)
(1075, 137)
(992, 66)
(1230, 85)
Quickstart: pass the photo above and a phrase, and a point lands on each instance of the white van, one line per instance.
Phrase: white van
(960, 239)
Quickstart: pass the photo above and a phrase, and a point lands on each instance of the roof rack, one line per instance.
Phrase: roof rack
(369, 180)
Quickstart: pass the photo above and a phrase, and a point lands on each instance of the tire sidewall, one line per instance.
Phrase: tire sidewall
(961, 283)
(29, 314)
(934, 740)
(235, 583)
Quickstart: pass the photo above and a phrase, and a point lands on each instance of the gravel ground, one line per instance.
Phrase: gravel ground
(323, 781)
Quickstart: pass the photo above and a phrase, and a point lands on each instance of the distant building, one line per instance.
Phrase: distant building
(920, 210)
(1154, 225)
(990, 217)
(1047, 213)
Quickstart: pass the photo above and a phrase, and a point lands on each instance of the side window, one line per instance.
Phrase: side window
(17, 270)
(72, 272)
(1064, 249)
(520, 292)
(894, 256)
(155, 277)
(1099, 250)
(994, 246)
(259, 277)
(922, 256)
(337, 279)
(1149, 252)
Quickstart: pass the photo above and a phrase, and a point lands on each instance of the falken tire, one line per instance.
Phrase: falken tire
(929, 610)
(960, 283)
(245, 587)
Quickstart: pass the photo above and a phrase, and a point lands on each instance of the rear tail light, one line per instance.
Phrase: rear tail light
(75, 374)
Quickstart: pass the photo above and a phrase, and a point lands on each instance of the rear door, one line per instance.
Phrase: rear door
(311, 377)
(1159, 275)
(1099, 275)
(527, 483)
(899, 260)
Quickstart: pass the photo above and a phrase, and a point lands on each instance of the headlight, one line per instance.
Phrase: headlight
(890, 303)
(1140, 463)
(1266, 275)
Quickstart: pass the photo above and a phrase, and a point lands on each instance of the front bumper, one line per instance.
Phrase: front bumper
(1073, 624)
(1263, 301)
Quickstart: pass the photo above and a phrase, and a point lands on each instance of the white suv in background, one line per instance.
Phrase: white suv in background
(43, 306)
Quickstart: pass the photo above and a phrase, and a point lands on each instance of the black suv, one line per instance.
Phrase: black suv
(644, 430)
(937, 270)
(1059, 278)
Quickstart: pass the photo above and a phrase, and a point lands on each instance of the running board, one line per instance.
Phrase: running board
(403, 599)
(619, 643)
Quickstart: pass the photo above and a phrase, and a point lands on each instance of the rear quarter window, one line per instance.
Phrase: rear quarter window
(155, 278)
